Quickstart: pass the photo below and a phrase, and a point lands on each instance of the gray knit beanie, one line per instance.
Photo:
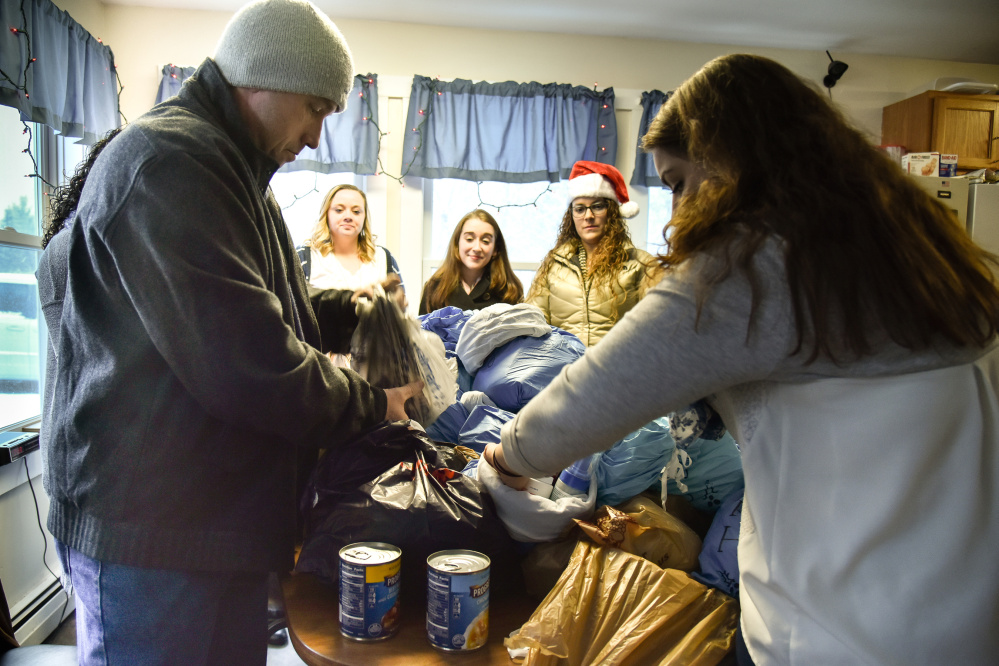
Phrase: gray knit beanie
(289, 46)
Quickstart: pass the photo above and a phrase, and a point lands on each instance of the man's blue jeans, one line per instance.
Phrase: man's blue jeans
(138, 617)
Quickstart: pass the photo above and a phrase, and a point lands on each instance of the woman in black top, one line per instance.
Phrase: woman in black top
(476, 272)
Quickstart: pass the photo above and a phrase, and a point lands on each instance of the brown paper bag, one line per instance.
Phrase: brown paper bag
(617, 609)
(642, 527)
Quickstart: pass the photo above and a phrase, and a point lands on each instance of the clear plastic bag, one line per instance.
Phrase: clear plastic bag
(390, 349)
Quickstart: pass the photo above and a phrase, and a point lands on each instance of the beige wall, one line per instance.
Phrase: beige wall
(89, 14)
(144, 39)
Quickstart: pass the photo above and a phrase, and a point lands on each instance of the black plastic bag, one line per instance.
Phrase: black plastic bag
(419, 501)
(340, 471)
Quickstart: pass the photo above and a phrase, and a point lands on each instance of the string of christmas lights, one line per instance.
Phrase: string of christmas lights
(22, 88)
(297, 198)
(28, 62)
(483, 202)
(34, 163)
(365, 95)
(426, 113)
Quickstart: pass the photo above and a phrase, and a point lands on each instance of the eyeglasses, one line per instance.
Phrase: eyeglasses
(598, 208)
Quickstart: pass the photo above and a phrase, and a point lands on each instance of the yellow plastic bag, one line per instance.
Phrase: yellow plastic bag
(642, 527)
(617, 609)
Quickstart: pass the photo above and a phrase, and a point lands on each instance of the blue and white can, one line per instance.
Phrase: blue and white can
(370, 574)
(457, 600)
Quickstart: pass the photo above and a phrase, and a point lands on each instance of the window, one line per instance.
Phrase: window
(21, 330)
(24, 206)
(660, 212)
(529, 216)
(301, 193)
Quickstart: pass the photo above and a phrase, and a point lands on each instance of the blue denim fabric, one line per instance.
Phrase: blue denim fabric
(145, 617)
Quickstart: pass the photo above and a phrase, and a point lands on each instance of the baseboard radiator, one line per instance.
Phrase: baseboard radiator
(42, 614)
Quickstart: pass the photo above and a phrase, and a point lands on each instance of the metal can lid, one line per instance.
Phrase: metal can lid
(370, 552)
(458, 561)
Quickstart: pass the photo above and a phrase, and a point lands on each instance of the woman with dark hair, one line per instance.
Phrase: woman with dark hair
(593, 275)
(476, 272)
(844, 327)
(53, 265)
(64, 199)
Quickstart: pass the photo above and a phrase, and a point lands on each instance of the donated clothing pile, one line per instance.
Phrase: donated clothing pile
(506, 354)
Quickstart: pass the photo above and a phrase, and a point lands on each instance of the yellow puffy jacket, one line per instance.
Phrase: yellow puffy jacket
(586, 312)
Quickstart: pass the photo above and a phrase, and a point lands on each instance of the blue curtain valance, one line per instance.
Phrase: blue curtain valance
(645, 174)
(508, 132)
(72, 86)
(349, 143)
(173, 77)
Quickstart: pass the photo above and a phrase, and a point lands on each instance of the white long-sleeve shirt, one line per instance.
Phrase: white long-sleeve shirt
(835, 565)
(654, 361)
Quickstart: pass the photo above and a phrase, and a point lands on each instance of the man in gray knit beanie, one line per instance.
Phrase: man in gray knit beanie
(286, 45)
(283, 57)
(194, 385)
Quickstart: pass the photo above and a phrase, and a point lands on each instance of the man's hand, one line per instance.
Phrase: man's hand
(397, 398)
(390, 285)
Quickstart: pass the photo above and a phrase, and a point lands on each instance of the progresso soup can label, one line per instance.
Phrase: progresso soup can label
(369, 590)
(457, 600)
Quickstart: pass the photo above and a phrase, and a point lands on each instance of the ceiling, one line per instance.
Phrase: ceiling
(957, 30)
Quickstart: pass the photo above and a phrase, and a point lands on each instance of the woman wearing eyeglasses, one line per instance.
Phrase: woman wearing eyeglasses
(594, 274)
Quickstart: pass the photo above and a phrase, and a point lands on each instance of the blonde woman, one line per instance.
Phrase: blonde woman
(341, 253)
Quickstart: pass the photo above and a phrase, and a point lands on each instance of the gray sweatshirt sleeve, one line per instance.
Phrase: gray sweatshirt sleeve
(657, 359)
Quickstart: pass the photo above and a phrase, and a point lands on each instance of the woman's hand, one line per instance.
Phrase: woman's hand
(397, 397)
(493, 455)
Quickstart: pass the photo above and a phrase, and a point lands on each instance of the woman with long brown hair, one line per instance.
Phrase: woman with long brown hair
(593, 275)
(476, 272)
(844, 326)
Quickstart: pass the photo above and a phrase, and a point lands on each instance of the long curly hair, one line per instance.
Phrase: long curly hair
(65, 198)
(321, 239)
(502, 279)
(865, 247)
(603, 264)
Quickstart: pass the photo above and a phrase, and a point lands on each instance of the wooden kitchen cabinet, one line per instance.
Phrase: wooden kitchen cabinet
(965, 125)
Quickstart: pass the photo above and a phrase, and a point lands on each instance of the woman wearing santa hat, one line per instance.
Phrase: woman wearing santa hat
(594, 274)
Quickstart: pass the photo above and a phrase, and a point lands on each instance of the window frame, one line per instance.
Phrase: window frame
(51, 156)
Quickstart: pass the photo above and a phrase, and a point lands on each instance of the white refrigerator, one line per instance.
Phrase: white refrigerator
(983, 215)
(976, 206)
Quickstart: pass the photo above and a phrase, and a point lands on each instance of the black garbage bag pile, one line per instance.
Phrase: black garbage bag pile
(393, 484)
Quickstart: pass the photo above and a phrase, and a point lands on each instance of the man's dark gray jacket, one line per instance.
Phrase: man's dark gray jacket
(188, 362)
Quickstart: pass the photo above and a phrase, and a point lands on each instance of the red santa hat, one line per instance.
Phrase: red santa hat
(593, 179)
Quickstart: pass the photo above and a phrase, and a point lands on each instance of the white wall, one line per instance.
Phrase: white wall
(143, 39)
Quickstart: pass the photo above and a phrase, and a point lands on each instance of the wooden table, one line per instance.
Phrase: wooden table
(311, 608)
